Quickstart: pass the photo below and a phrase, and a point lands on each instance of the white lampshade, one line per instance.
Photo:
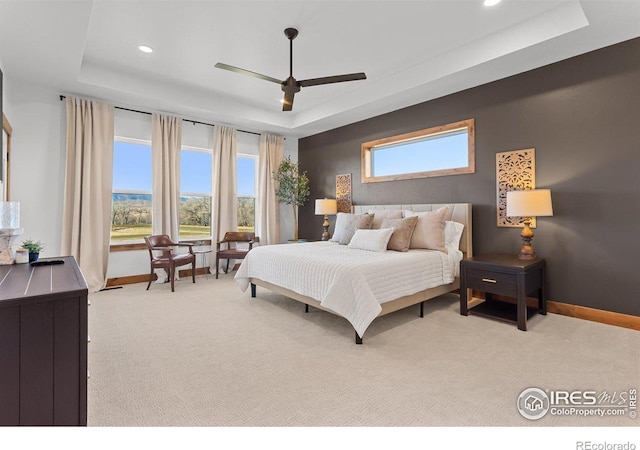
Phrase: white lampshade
(326, 206)
(532, 203)
(9, 215)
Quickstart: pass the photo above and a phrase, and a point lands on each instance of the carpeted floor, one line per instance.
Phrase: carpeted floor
(209, 355)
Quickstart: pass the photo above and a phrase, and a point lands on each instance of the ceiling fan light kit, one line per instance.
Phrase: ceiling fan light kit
(291, 86)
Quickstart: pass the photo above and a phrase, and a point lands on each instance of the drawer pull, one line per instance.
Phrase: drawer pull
(489, 280)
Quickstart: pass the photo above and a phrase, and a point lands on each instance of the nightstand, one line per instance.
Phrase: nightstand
(504, 275)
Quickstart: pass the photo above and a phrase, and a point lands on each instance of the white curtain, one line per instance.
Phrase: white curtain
(224, 190)
(267, 209)
(166, 142)
(86, 214)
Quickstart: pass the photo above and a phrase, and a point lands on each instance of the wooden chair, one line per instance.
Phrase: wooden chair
(231, 252)
(169, 260)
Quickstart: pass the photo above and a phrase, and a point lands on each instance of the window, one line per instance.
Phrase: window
(132, 191)
(246, 175)
(132, 187)
(195, 193)
(444, 150)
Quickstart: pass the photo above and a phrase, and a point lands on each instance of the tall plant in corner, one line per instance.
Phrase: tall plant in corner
(292, 188)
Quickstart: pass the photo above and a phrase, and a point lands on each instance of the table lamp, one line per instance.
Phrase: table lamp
(528, 204)
(326, 207)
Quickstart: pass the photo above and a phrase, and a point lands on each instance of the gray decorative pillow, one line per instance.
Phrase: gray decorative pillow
(403, 230)
(347, 224)
(380, 214)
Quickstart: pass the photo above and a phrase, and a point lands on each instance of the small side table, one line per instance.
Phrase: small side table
(504, 275)
(202, 252)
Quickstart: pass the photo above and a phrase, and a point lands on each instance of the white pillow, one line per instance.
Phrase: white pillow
(429, 232)
(452, 234)
(371, 240)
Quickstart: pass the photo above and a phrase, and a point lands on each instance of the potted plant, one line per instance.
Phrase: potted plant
(34, 248)
(292, 188)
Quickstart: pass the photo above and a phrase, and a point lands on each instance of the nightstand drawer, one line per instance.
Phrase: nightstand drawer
(492, 282)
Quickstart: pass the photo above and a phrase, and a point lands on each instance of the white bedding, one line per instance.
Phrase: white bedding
(352, 283)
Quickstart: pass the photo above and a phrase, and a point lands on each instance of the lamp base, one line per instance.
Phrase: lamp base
(526, 251)
(7, 236)
(325, 228)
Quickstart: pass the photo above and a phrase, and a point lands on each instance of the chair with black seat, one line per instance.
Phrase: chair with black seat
(169, 260)
(230, 252)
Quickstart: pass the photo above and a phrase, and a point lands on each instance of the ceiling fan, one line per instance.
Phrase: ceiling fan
(290, 86)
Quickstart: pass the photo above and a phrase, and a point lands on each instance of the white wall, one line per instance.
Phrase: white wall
(37, 118)
(3, 147)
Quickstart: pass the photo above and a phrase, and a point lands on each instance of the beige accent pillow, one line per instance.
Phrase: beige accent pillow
(429, 231)
(402, 232)
(380, 214)
(347, 224)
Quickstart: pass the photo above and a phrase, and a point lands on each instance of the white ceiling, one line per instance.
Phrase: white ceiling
(411, 51)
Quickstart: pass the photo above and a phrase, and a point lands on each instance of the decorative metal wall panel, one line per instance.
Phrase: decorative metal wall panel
(343, 192)
(515, 171)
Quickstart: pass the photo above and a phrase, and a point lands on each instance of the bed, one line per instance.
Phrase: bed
(356, 284)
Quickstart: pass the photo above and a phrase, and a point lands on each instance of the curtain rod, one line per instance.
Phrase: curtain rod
(62, 97)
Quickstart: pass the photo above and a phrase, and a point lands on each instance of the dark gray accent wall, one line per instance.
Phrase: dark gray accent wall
(581, 115)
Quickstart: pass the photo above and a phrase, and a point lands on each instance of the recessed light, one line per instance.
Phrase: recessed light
(145, 49)
(491, 2)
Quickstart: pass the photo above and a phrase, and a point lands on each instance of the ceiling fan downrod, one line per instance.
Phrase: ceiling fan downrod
(291, 34)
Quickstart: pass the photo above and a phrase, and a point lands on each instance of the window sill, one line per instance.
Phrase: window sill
(128, 247)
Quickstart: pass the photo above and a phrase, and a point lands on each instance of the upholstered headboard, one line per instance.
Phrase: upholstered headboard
(459, 212)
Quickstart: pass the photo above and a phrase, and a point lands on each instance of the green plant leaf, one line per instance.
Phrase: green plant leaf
(33, 246)
(292, 186)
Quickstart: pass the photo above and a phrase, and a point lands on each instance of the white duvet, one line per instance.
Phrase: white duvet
(352, 283)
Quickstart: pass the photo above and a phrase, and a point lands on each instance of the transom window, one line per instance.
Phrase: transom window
(438, 151)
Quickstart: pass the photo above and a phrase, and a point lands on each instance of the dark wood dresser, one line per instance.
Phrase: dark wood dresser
(43, 344)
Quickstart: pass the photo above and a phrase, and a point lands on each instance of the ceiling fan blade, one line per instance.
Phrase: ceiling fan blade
(287, 104)
(247, 72)
(334, 79)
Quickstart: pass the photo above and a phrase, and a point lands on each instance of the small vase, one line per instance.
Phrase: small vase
(33, 256)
